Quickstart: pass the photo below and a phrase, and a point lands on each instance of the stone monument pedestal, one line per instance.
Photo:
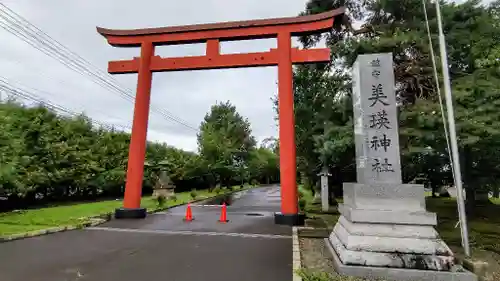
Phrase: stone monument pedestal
(388, 226)
(385, 232)
(380, 237)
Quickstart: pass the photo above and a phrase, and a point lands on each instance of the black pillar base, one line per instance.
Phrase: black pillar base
(289, 219)
(126, 213)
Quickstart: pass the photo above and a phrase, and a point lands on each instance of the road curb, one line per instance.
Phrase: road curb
(100, 219)
(52, 230)
(296, 255)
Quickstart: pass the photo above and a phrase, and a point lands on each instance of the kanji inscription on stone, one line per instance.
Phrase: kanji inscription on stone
(378, 95)
(379, 120)
(382, 142)
(382, 166)
(375, 122)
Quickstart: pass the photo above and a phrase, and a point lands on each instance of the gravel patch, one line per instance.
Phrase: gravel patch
(317, 262)
(315, 256)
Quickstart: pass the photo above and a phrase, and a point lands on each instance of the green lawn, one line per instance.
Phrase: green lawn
(305, 193)
(77, 214)
(495, 200)
(484, 224)
(316, 217)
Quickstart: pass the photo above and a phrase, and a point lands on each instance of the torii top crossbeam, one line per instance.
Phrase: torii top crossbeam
(213, 34)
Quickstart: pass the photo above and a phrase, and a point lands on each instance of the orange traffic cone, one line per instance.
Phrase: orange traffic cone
(189, 214)
(223, 214)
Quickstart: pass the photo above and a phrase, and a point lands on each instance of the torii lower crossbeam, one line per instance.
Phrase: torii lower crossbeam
(212, 34)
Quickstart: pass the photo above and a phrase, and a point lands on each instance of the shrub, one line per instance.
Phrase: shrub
(173, 198)
(254, 182)
(161, 200)
(193, 193)
(302, 203)
(217, 190)
(301, 194)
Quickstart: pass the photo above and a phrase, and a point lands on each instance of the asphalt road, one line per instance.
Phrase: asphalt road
(163, 247)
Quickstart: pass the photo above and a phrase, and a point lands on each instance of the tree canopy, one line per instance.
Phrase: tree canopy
(228, 148)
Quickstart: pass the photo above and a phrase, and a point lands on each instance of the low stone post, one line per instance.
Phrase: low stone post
(325, 206)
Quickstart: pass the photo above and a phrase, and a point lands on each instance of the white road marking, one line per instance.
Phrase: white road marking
(229, 213)
(187, 232)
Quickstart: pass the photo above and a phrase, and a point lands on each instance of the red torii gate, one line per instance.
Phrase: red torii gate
(212, 34)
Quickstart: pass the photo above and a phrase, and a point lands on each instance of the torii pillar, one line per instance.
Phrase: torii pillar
(212, 34)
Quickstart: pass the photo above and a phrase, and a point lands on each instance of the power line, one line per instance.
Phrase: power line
(20, 86)
(23, 29)
(40, 72)
(58, 80)
(12, 26)
(18, 92)
(57, 108)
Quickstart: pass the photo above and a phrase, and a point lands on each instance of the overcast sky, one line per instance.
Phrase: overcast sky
(187, 95)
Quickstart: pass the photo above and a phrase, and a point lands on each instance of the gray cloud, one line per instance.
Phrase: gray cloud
(187, 95)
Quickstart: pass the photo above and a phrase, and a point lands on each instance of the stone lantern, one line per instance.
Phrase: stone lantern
(163, 184)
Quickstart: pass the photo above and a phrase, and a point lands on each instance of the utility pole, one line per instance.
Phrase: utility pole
(453, 134)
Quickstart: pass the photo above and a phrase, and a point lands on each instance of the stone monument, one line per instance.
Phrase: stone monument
(384, 230)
